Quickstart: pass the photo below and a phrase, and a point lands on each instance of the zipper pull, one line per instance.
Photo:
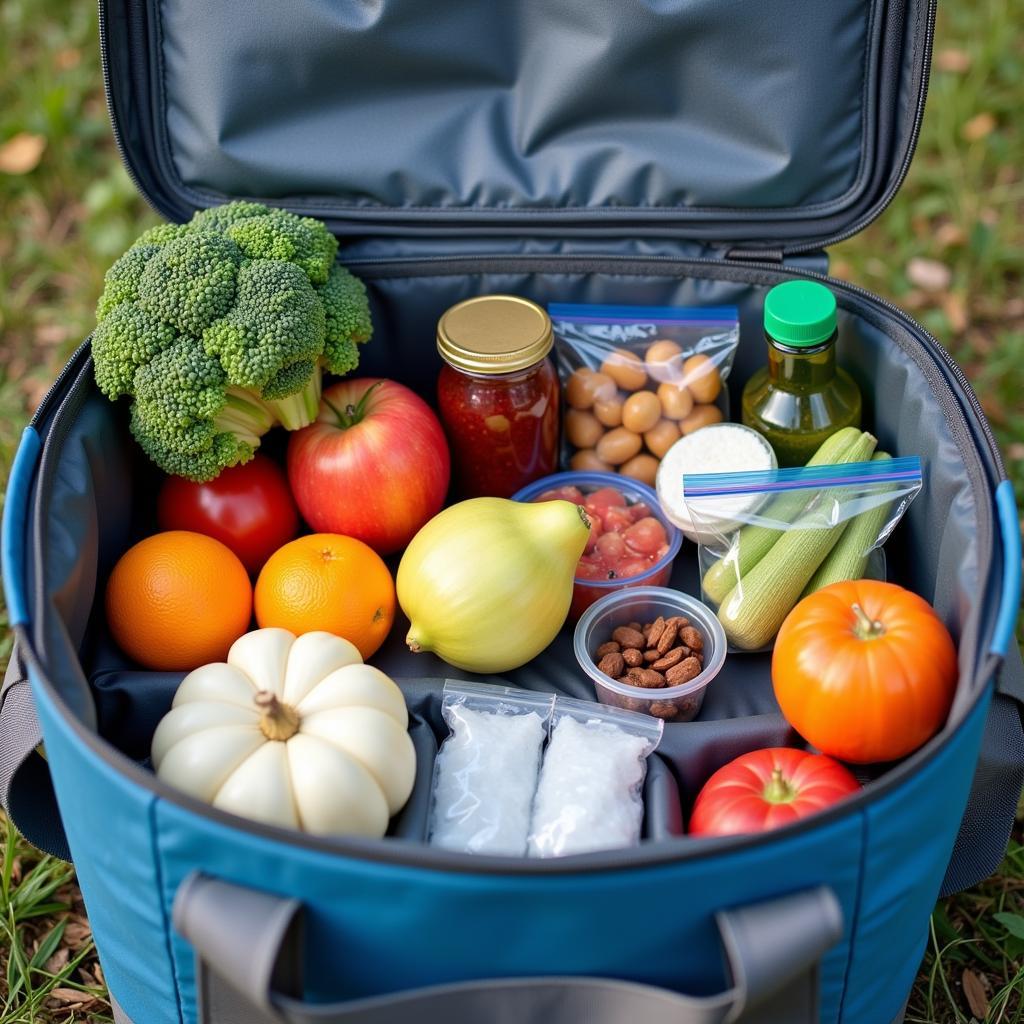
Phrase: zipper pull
(814, 261)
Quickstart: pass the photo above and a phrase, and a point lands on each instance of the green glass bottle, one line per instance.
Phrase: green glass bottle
(801, 397)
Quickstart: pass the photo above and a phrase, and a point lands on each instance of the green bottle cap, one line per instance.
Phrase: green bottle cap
(800, 313)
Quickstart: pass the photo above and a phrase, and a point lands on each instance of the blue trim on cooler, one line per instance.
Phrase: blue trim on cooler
(1009, 528)
(12, 538)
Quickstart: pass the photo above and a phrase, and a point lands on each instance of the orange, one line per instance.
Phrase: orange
(329, 582)
(178, 600)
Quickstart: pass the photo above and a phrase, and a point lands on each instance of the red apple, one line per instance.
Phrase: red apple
(374, 465)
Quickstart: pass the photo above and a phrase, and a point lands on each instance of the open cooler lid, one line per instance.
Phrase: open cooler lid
(786, 124)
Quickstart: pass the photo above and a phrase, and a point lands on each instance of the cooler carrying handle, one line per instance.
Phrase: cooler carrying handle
(249, 952)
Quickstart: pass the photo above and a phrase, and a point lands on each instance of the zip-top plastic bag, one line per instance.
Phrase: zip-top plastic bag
(486, 771)
(589, 793)
(636, 378)
(769, 538)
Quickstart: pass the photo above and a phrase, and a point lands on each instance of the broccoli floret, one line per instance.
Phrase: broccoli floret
(348, 321)
(220, 218)
(219, 328)
(161, 234)
(126, 339)
(121, 281)
(188, 420)
(190, 282)
(279, 235)
(276, 320)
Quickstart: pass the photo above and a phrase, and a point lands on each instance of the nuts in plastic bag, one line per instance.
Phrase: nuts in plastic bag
(637, 378)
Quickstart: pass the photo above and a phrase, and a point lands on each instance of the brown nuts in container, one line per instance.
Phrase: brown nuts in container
(657, 655)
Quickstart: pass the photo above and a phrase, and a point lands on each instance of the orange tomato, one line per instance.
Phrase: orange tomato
(326, 581)
(178, 600)
(864, 670)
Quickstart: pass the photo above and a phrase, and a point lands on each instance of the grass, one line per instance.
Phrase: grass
(950, 249)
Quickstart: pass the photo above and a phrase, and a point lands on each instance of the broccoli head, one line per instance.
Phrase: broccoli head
(187, 418)
(219, 329)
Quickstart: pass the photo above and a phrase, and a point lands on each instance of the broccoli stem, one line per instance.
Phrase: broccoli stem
(245, 416)
(298, 410)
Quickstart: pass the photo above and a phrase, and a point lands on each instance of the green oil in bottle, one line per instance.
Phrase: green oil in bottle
(801, 397)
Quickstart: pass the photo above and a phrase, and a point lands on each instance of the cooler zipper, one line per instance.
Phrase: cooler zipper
(67, 370)
(915, 134)
(115, 127)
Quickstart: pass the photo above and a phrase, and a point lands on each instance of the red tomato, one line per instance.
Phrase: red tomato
(767, 789)
(616, 519)
(632, 567)
(605, 498)
(645, 536)
(567, 493)
(588, 569)
(374, 465)
(611, 547)
(248, 508)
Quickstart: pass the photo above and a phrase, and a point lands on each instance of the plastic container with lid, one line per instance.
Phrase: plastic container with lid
(719, 448)
(673, 703)
(801, 397)
(498, 394)
(587, 590)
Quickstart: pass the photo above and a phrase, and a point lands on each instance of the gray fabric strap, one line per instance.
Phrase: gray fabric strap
(998, 779)
(248, 967)
(26, 790)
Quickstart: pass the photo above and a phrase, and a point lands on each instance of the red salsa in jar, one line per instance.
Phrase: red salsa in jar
(626, 541)
(498, 394)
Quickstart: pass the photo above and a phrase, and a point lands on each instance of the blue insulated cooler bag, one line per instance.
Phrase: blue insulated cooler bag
(660, 152)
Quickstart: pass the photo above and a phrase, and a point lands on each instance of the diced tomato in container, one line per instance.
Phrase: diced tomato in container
(632, 543)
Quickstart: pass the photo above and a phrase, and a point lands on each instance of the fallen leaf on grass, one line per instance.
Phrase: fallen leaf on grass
(71, 995)
(955, 308)
(58, 961)
(1015, 451)
(979, 127)
(67, 58)
(948, 235)
(974, 990)
(955, 61)
(929, 275)
(21, 153)
(77, 934)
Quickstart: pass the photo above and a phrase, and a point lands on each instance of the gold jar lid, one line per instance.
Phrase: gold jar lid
(494, 334)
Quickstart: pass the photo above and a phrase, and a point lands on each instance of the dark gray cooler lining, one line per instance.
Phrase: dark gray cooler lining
(398, 118)
(98, 482)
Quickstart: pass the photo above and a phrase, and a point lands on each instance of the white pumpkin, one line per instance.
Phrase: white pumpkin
(296, 732)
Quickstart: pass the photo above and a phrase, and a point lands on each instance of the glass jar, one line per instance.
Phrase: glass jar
(801, 397)
(498, 394)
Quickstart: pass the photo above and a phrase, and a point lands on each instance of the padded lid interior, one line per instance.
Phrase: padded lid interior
(732, 118)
